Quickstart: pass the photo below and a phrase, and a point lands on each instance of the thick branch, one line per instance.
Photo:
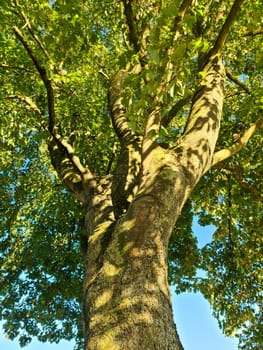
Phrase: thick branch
(197, 144)
(220, 41)
(43, 74)
(70, 153)
(237, 146)
(151, 130)
(118, 117)
(76, 178)
(68, 166)
(238, 82)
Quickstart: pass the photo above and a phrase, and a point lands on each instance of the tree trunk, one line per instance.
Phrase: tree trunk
(127, 299)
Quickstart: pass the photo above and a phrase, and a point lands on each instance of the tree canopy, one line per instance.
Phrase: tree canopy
(61, 64)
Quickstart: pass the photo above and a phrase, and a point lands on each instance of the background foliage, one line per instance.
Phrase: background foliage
(81, 44)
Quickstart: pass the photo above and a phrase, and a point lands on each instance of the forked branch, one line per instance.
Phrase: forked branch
(33, 34)
(66, 163)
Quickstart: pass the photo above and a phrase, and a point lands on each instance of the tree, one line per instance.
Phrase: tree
(144, 109)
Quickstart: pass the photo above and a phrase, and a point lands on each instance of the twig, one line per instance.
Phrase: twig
(178, 22)
(6, 66)
(185, 5)
(27, 100)
(235, 94)
(254, 33)
(34, 36)
(105, 75)
(238, 176)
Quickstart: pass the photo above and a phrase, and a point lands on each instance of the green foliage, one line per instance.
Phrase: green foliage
(84, 43)
(38, 249)
(183, 252)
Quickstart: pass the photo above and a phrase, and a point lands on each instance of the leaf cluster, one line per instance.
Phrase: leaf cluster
(81, 45)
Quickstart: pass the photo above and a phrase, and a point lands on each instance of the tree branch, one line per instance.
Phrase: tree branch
(178, 22)
(43, 74)
(76, 178)
(34, 36)
(118, 117)
(220, 41)
(237, 82)
(185, 5)
(254, 33)
(238, 176)
(70, 153)
(65, 147)
(238, 145)
(68, 166)
(27, 100)
(6, 66)
(174, 110)
(137, 39)
(131, 24)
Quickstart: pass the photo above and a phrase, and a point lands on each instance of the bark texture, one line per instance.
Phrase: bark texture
(127, 298)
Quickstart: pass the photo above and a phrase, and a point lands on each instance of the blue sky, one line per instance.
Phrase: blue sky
(197, 328)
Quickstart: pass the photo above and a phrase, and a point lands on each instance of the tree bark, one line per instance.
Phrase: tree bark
(127, 302)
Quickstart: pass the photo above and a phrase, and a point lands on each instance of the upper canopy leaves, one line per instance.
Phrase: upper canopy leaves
(161, 48)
